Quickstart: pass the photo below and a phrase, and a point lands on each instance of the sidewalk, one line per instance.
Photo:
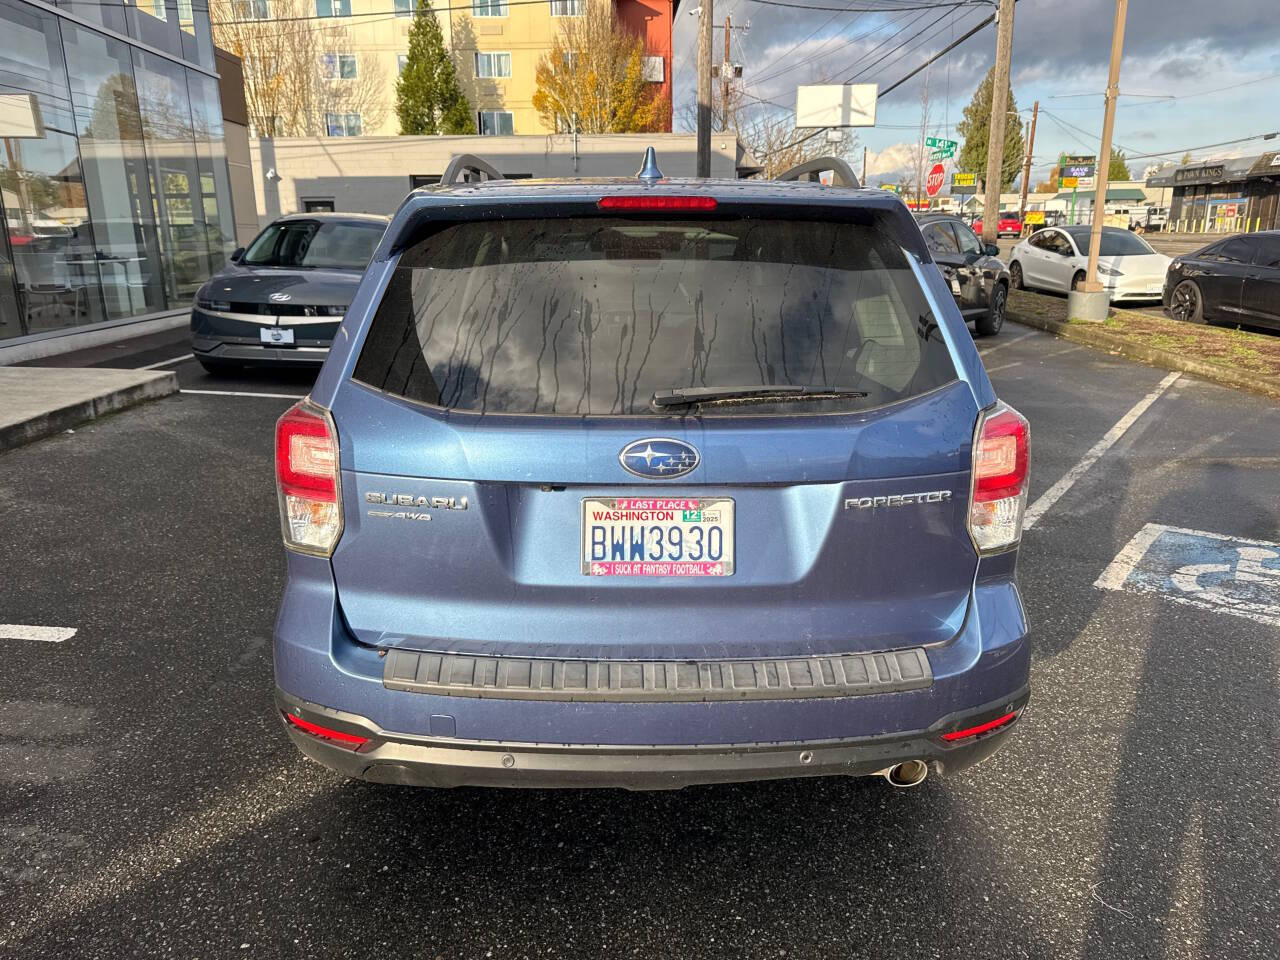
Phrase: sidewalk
(38, 401)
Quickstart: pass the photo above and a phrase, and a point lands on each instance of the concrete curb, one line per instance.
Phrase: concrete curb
(147, 385)
(1092, 336)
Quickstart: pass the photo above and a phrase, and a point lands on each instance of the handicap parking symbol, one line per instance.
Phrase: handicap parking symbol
(1226, 574)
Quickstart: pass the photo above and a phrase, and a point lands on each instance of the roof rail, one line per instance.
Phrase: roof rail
(811, 170)
(466, 168)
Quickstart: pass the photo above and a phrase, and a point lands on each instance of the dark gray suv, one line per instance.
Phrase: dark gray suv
(978, 279)
(280, 300)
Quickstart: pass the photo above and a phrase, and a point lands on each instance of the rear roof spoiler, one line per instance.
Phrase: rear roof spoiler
(841, 174)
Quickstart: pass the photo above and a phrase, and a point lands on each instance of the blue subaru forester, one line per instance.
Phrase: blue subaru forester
(650, 482)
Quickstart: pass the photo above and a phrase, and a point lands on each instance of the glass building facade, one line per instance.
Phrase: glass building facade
(116, 196)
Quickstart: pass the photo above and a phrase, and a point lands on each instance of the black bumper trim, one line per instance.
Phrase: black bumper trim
(450, 762)
(656, 681)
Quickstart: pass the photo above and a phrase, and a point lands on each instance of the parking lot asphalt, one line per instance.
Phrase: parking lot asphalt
(152, 806)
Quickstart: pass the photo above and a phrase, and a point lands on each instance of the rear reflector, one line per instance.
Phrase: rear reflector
(1001, 451)
(307, 480)
(980, 728)
(658, 202)
(347, 740)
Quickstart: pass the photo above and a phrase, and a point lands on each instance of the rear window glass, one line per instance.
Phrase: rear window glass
(592, 316)
(1115, 243)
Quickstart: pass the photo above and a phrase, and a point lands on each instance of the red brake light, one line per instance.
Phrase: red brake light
(657, 202)
(348, 740)
(980, 728)
(306, 456)
(1000, 457)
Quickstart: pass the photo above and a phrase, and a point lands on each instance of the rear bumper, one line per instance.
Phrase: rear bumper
(448, 762)
(429, 736)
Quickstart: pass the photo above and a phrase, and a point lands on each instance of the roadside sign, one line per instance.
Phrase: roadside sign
(892, 187)
(1230, 210)
(964, 180)
(943, 153)
(1086, 183)
(936, 177)
(1068, 183)
(937, 142)
(1066, 159)
(836, 105)
(1034, 216)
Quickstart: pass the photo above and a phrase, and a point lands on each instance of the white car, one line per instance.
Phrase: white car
(1055, 259)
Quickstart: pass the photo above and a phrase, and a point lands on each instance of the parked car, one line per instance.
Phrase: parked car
(280, 300)
(972, 270)
(1234, 280)
(1056, 258)
(650, 482)
(1008, 225)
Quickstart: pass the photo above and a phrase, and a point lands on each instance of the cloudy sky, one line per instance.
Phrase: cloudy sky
(1219, 59)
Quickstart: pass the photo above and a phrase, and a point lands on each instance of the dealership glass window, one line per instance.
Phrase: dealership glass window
(215, 179)
(491, 65)
(109, 123)
(488, 8)
(342, 124)
(495, 123)
(406, 8)
(333, 8)
(49, 237)
(566, 8)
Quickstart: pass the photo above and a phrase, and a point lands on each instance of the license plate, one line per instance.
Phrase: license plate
(657, 537)
(276, 335)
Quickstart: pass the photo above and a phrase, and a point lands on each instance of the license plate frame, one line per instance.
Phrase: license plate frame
(666, 513)
(276, 336)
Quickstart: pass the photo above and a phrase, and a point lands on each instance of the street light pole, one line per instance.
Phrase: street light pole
(999, 111)
(1026, 165)
(1091, 284)
(704, 88)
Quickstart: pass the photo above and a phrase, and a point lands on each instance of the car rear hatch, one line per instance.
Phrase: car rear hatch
(519, 478)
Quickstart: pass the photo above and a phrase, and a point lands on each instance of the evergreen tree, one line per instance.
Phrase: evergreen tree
(429, 99)
(1119, 169)
(975, 129)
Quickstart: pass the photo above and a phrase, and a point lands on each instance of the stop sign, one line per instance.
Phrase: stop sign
(936, 176)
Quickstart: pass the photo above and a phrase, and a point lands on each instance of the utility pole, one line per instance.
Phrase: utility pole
(864, 166)
(999, 117)
(704, 89)
(1091, 284)
(724, 77)
(1026, 165)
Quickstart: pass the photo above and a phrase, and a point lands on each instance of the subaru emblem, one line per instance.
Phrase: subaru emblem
(280, 297)
(659, 458)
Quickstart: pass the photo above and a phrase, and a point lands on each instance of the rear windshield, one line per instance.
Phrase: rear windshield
(1115, 243)
(593, 316)
(315, 243)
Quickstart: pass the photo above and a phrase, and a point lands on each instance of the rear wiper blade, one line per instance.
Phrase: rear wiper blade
(689, 396)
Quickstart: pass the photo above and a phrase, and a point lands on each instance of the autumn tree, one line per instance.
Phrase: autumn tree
(286, 86)
(429, 99)
(975, 130)
(592, 79)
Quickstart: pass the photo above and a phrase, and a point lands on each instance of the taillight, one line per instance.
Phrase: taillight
(981, 728)
(348, 741)
(999, 498)
(307, 480)
(657, 202)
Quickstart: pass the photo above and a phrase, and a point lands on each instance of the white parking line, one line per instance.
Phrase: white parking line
(1008, 343)
(1055, 493)
(24, 631)
(165, 363)
(245, 393)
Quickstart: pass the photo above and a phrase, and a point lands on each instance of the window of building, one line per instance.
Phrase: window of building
(342, 124)
(402, 61)
(566, 8)
(488, 8)
(406, 8)
(250, 9)
(184, 11)
(318, 206)
(654, 69)
(338, 66)
(333, 8)
(490, 65)
(496, 123)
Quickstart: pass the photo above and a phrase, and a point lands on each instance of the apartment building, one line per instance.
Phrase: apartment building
(359, 48)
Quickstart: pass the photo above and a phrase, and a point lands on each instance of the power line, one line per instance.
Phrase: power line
(947, 4)
(819, 53)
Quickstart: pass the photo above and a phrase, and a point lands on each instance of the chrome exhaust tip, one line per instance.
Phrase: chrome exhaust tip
(909, 773)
